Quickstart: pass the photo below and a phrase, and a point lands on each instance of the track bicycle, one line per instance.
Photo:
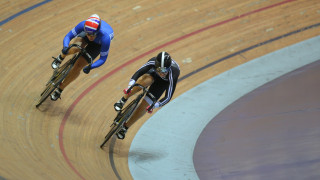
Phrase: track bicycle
(61, 73)
(124, 115)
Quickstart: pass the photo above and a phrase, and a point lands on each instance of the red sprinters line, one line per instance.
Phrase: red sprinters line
(73, 105)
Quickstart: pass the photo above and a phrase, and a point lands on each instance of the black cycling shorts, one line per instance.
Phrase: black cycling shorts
(92, 48)
(159, 85)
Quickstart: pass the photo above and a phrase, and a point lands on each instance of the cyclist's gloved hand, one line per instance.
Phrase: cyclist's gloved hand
(64, 50)
(87, 69)
(156, 105)
(149, 110)
(125, 91)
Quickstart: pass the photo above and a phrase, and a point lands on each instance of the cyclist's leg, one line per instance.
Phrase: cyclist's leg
(74, 72)
(74, 50)
(93, 49)
(145, 80)
(138, 113)
(156, 89)
(76, 69)
(58, 60)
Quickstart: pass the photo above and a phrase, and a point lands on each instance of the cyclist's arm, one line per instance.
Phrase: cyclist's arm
(105, 46)
(141, 71)
(73, 33)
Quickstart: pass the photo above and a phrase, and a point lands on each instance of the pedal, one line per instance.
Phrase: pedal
(114, 123)
(55, 58)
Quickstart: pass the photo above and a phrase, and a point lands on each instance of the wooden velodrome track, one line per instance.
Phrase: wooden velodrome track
(60, 139)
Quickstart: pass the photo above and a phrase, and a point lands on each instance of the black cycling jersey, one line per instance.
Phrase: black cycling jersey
(167, 83)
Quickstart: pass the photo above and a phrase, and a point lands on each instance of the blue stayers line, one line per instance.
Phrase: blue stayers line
(23, 11)
(246, 49)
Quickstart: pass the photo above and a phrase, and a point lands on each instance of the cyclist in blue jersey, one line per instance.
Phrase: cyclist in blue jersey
(160, 74)
(95, 35)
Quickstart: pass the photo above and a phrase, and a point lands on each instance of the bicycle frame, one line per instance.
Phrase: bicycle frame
(124, 115)
(60, 74)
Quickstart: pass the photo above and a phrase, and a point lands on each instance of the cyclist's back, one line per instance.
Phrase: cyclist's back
(105, 34)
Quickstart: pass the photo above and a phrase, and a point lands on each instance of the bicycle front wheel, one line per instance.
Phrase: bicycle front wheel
(54, 82)
(44, 95)
(121, 118)
(113, 130)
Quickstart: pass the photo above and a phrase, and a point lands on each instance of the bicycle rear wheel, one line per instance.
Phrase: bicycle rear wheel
(121, 118)
(54, 81)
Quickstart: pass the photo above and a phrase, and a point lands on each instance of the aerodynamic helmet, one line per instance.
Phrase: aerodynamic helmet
(163, 62)
(92, 25)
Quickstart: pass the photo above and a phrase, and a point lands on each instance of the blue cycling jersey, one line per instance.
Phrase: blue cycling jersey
(103, 38)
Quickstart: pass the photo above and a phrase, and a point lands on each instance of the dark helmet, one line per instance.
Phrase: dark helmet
(163, 62)
(92, 25)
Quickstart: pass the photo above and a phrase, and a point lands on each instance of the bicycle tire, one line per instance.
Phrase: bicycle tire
(110, 134)
(56, 79)
(121, 118)
(45, 94)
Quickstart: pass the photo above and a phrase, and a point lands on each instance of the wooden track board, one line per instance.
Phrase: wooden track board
(60, 140)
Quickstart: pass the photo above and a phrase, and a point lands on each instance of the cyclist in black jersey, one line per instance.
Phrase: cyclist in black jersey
(161, 74)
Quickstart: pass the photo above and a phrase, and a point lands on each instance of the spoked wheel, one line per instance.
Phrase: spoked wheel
(53, 83)
(114, 128)
(44, 95)
(121, 118)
